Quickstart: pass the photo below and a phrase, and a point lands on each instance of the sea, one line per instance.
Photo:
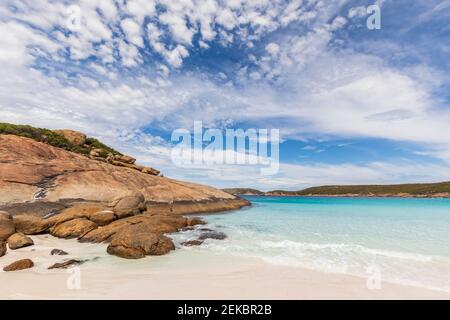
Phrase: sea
(398, 240)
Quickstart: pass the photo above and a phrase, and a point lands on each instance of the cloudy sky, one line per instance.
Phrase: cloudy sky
(353, 105)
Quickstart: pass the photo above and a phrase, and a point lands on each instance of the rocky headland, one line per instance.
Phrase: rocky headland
(91, 192)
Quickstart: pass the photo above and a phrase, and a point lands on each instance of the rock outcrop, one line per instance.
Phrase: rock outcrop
(29, 167)
(19, 240)
(50, 190)
(19, 265)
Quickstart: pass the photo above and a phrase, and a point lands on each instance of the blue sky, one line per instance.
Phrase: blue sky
(353, 105)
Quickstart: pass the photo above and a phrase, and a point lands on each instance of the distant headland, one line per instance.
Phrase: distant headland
(413, 190)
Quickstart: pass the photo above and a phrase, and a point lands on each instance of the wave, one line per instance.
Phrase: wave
(289, 244)
(412, 269)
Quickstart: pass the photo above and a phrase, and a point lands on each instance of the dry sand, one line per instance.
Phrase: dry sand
(184, 274)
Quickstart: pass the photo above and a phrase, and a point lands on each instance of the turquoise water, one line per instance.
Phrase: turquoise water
(406, 240)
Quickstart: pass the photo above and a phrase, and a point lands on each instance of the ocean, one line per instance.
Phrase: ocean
(405, 241)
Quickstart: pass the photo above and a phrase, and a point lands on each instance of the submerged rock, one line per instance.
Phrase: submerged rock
(58, 252)
(137, 241)
(73, 228)
(67, 264)
(19, 265)
(191, 243)
(19, 240)
(216, 235)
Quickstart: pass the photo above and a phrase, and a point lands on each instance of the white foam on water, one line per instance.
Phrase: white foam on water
(413, 269)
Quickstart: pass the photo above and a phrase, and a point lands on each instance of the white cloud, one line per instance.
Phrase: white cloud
(129, 54)
(358, 12)
(132, 31)
(298, 83)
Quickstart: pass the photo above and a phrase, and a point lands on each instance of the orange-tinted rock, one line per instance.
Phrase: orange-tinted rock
(137, 241)
(75, 137)
(26, 162)
(194, 221)
(103, 218)
(19, 265)
(128, 204)
(73, 228)
(19, 240)
(29, 224)
(7, 227)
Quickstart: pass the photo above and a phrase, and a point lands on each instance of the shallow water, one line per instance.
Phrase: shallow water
(405, 241)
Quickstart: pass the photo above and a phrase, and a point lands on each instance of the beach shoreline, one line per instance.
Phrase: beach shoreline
(183, 274)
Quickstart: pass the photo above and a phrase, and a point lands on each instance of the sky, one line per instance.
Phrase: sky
(353, 105)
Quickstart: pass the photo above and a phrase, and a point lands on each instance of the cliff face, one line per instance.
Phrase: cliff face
(34, 171)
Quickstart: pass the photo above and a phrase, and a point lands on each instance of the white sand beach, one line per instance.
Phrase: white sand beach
(184, 274)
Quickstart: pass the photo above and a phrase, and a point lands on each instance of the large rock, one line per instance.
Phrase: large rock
(75, 137)
(73, 229)
(105, 233)
(137, 241)
(29, 224)
(19, 240)
(128, 204)
(7, 227)
(74, 212)
(3, 248)
(26, 164)
(158, 224)
(19, 265)
(103, 218)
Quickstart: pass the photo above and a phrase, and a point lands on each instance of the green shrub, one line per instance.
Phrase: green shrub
(55, 139)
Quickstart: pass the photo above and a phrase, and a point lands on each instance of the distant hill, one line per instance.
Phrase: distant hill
(418, 190)
(244, 191)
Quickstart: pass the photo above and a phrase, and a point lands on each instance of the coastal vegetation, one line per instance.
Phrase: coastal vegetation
(58, 139)
(441, 189)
